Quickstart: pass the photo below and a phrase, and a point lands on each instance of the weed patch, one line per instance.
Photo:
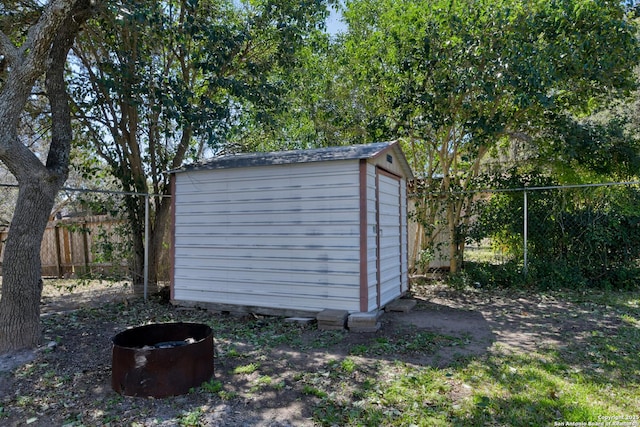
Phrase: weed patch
(412, 342)
(246, 369)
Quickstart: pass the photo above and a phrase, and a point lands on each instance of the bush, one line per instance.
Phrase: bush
(577, 238)
(483, 274)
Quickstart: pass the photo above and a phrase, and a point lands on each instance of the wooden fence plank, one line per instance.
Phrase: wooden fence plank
(58, 251)
(67, 246)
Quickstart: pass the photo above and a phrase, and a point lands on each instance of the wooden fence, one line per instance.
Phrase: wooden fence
(71, 247)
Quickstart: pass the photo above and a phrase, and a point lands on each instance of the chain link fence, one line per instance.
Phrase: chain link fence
(547, 236)
(88, 234)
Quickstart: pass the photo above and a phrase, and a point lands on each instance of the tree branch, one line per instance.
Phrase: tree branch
(8, 49)
(30, 61)
(61, 133)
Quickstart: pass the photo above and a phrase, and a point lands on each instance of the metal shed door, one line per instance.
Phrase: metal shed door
(389, 239)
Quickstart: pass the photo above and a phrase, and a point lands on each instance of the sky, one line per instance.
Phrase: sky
(334, 25)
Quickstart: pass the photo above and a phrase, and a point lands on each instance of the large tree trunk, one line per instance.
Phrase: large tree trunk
(158, 243)
(135, 216)
(158, 224)
(44, 51)
(21, 281)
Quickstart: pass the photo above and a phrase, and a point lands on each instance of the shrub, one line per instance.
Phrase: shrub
(584, 237)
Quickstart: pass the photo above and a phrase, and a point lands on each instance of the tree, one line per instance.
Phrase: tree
(163, 81)
(321, 109)
(456, 79)
(34, 45)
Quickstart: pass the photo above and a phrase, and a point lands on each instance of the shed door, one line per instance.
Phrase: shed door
(389, 239)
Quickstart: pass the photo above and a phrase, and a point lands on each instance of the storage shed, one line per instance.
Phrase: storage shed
(292, 231)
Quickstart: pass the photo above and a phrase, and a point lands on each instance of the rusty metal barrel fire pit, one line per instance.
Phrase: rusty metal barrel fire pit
(163, 359)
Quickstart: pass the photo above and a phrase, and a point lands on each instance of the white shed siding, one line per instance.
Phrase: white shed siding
(372, 244)
(389, 237)
(391, 280)
(279, 236)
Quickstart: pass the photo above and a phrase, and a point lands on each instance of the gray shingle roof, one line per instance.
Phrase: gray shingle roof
(351, 152)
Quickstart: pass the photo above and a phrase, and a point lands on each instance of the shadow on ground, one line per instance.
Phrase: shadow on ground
(68, 379)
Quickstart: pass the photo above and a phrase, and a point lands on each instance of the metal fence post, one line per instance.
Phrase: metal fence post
(526, 227)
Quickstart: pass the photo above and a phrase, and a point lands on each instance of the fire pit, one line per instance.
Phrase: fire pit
(160, 360)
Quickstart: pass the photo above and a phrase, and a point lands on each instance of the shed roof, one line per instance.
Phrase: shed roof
(350, 152)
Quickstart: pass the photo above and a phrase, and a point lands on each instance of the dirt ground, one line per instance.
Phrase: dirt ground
(67, 380)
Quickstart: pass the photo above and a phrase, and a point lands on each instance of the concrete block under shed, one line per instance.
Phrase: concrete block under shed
(402, 305)
(364, 322)
(332, 319)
